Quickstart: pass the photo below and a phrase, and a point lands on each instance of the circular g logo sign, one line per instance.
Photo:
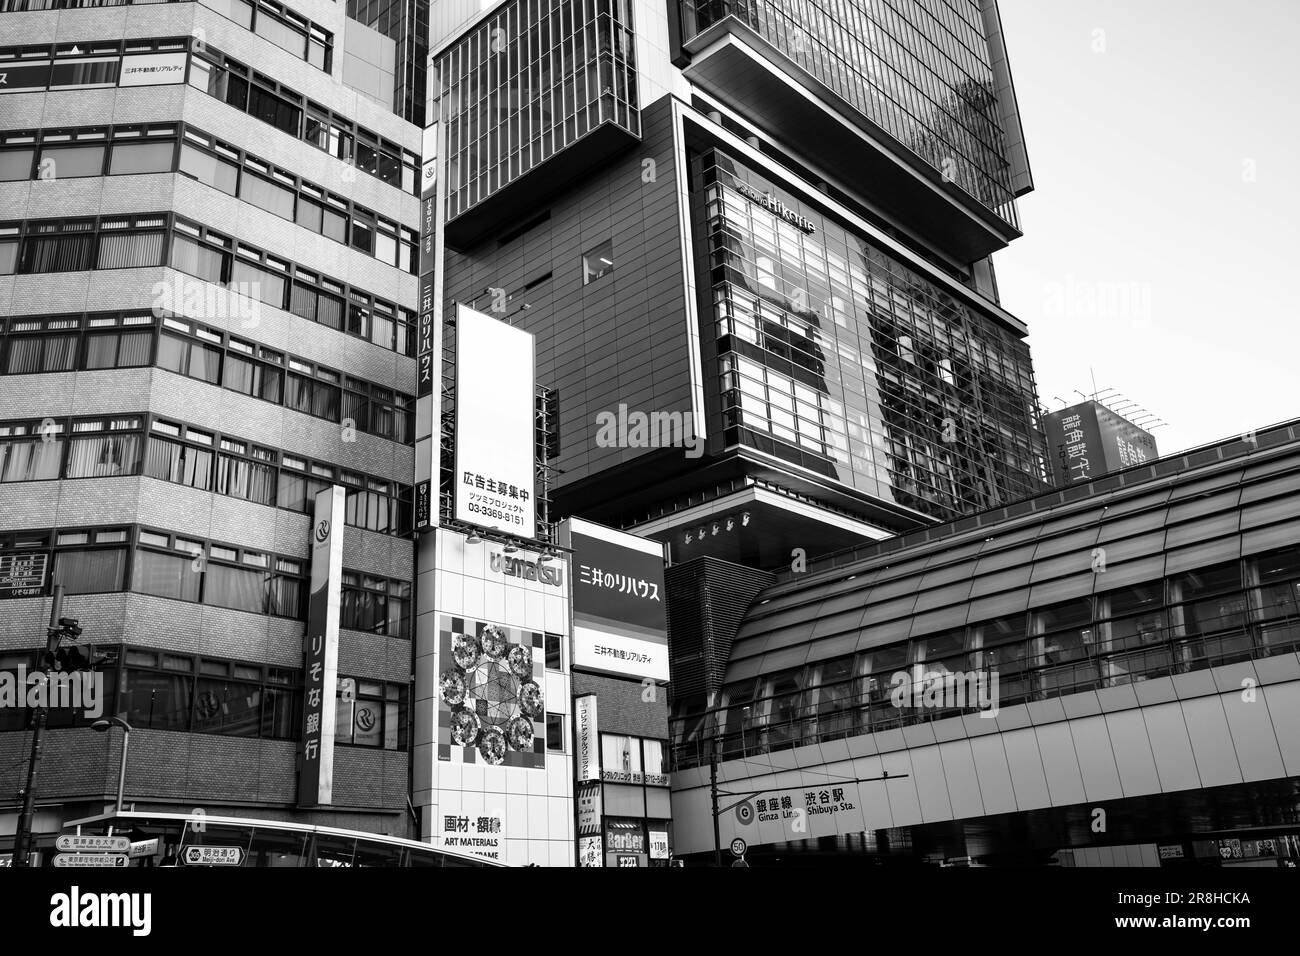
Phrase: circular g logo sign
(322, 531)
(745, 812)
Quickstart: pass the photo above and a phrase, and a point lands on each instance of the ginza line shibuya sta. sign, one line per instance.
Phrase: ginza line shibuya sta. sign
(495, 443)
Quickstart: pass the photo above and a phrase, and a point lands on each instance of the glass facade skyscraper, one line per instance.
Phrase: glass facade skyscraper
(920, 71)
(834, 355)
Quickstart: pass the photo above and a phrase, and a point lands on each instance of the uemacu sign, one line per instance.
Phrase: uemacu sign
(548, 573)
(620, 625)
(321, 650)
(23, 574)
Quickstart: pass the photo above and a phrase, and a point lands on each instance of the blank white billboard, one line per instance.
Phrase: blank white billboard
(495, 416)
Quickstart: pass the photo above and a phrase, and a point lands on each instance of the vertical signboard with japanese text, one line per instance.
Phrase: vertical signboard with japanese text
(586, 738)
(321, 650)
(1088, 440)
(620, 625)
(495, 424)
(428, 342)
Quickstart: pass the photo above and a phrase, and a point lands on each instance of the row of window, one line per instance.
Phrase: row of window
(269, 20)
(1202, 618)
(210, 461)
(163, 239)
(161, 690)
(100, 63)
(136, 340)
(258, 95)
(163, 564)
(49, 155)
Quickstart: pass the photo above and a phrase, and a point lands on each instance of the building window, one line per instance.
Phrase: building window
(598, 263)
(376, 717)
(620, 758)
(554, 658)
(555, 732)
(375, 604)
(29, 454)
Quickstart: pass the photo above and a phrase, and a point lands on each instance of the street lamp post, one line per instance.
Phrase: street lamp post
(103, 726)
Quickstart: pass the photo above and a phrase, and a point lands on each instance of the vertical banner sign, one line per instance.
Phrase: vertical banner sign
(495, 424)
(428, 343)
(620, 625)
(321, 650)
(586, 739)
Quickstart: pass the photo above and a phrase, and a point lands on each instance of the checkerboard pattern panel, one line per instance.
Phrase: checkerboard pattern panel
(494, 701)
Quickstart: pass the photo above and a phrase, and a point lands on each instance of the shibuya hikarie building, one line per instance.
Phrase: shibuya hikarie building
(752, 241)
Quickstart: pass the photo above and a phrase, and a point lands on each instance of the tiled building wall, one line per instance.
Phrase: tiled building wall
(197, 768)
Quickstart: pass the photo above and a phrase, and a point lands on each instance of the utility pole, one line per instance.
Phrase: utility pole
(23, 836)
(713, 791)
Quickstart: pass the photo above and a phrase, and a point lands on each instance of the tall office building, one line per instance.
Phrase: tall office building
(208, 219)
(752, 240)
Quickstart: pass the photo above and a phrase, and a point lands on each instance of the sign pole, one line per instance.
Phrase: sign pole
(713, 791)
(23, 835)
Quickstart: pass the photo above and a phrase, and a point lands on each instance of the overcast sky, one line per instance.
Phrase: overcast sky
(1160, 245)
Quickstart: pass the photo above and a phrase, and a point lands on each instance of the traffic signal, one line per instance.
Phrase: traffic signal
(71, 627)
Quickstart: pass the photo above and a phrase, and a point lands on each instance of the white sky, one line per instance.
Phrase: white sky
(1160, 245)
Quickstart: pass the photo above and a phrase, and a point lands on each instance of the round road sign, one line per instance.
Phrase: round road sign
(738, 847)
(745, 812)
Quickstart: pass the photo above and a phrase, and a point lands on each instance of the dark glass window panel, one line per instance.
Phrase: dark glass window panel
(155, 700)
(16, 164)
(286, 597)
(173, 353)
(281, 713)
(264, 284)
(1280, 565)
(292, 492)
(270, 108)
(70, 162)
(84, 73)
(94, 571)
(229, 708)
(167, 575)
(41, 353)
(552, 646)
(554, 732)
(73, 252)
(308, 215)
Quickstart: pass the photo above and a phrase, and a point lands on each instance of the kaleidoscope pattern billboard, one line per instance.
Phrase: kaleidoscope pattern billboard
(490, 705)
